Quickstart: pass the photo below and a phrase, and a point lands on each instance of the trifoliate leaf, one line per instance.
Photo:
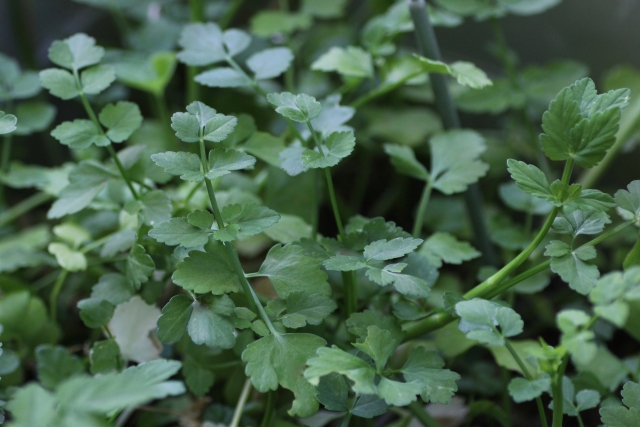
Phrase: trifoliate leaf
(530, 179)
(55, 365)
(209, 271)
(97, 78)
(7, 123)
(379, 345)
(338, 146)
(523, 390)
(79, 134)
(223, 77)
(447, 248)
(175, 317)
(424, 367)
(223, 161)
(33, 117)
(185, 165)
(178, 231)
(139, 266)
(569, 264)
(289, 270)
(630, 200)
(479, 320)
(300, 108)
(270, 63)
(131, 325)
(280, 359)
(350, 61)
(121, 120)
(250, 219)
(455, 160)
(202, 44)
(383, 250)
(303, 308)
(576, 222)
(60, 83)
(466, 73)
(75, 52)
(209, 328)
(201, 121)
(68, 258)
(329, 360)
(404, 161)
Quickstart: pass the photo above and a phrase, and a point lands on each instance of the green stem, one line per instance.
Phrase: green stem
(55, 293)
(162, 110)
(473, 197)
(23, 207)
(382, 90)
(558, 399)
(235, 421)
(270, 406)
(225, 19)
(525, 371)
(423, 416)
(422, 209)
(231, 250)
(123, 172)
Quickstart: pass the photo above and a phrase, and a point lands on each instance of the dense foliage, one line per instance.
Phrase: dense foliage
(225, 241)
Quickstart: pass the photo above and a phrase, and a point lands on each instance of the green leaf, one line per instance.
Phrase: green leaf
(350, 61)
(523, 390)
(68, 258)
(576, 338)
(592, 200)
(405, 284)
(97, 78)
(424, 367)
(95, 312)
(455, 160)
(265, 147)
(55, 365)
(112, 287)
(344, 263)
(198, 379)
(404, 161)
(369, 406)
(178, 231)
(185, 165)
(209, 271)
(466, 73)
(270, 63)
(139, 266)
(201, 121)
(121, 120)
(630, 200)
(105, 357)
(201, 219)
(223, 77)
(479, 320)
(379, 344)
(31, 406)
(289, 270)
(576, 222)
(79, 134)
(223, 161)
(175, 317)
(358, 323)
(202, 44)
(147, 73)
(397, 393)
(34, 117)
(613, 293)
(60, 83)
(330, 360)
(235, 41)
(250, 219)
(300, 108)
(383, 250)
(333, 393)
(338, 146)
(530, 179)
(280, 359)
(7, 123)
(207, 327)
(268, 23)
(569, 264)
(75, 52)
(303, 308)
(156, 207)
(519, 200)
(447, 248)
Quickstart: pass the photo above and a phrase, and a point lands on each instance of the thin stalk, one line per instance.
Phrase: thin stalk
(270, 406)
(422, 209)
(254, 302)
(558, 398)
(423, 416)
(525, 371)
(428, 45)
(23, 207)
(55, 293)
(228, 15)
(382, 90)
(96, 122)
(235, 421)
